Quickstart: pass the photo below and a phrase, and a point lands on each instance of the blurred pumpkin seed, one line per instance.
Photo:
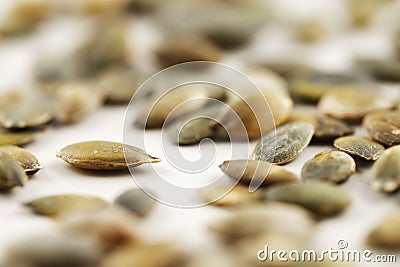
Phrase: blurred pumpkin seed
(331, 166)
(57, 205)
(191, 132)
(326, 128)
(28, 161)
(285, 144)
(103, 155)
(18, 137)
(267, 79)
(352, 103)
(220, 258)
(382, 70)
(11, 172)
(226, 196)
(384, 126)
(136, 201)
(360, 146)
(386, 234)
(323, 199)
(261, 172)
(311, 31)
(386, 171)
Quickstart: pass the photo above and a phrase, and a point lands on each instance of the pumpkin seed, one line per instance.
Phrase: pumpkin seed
(352, 103)
(311, 86)
(384, 126)
(267, 79)
(226, 196)
(386, 171)
(311, 31)
(220, 258)
(28, 161)
(249, 109)
(191, 132)
(360, 146)
(54, 206)
(386, 235)
(144, 256)
(136, 201)
(326, 128)
(21, 112)
(55, 249)
(382, 70)
(18, 137)
(103, 155)
(255, 171)
(323, 199)
(285, 144)
(11, 172)
(331, 166)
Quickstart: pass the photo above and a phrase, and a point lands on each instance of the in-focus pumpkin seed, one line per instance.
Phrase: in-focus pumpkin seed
(256, 171)
(352, 103)
(28, 161)
(11, 172)
(285, 144)
(103, 155)
(57, 205)
(136, 201)
(384, 126)
(226, 196)
(330, 166)
(385, 174)
(386, 235)
(360, 146)
(322, 198)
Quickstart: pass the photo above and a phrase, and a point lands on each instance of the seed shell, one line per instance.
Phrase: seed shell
(261, 172)
(331, 166)
(18, 137)
(187, 132)
(384, 126)
(386, 235)
(385, 174)
(360, 146)
(11, 172)
(285, 144)
(103, 155)
(321, 198)
(28, 161)
(57, 205)
(226, 196)
(136, 201)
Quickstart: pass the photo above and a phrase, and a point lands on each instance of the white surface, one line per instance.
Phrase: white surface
(187, 226)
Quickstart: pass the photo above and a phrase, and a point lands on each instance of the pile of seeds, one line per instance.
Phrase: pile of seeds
(265, 203)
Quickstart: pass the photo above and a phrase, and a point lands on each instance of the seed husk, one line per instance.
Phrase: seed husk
(385, 174)
(384, 126)
(311, 31)
(285, 144)
(249, 109)
(330, 166)
(103, 155)
(54, 206)
(352, 103)
(136, 201)
(226, 196)
(326, 128)
(22, 112)
(321, 198)
(11, 172)
(360, 146)
(386, 234)
(18, 137)
(382, 70)
(267, 79)
(28, 161)
(261, 172)
(192, 131)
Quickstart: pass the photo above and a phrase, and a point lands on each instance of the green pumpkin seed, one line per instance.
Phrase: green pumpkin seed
(384, 126)
(360, 146)
(326, 128)
(386, 235)
(255, 171)
(54, 206)
(352, 103)
(226, 196)
(331, 166)
(285, 144)
(386, 171)
(28, 161)
(103, 155)
(11, 172)
(323, 199)
(18, 137)
(136, 201)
